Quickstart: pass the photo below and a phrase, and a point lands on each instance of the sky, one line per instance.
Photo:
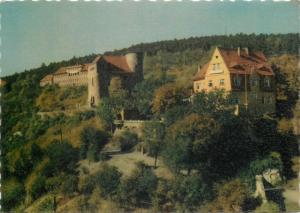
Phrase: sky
(33, 33)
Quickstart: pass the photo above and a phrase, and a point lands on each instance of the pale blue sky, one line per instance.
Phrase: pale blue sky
(37, 32)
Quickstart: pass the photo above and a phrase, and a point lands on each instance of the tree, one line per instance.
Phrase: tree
(108, 179)
(167, 96)
(215, 103)
(127, 140)
(62, 158)
(143, 93)
(189, 192)
(105, 112)
(185, 139)
(153, 135)
(231, 197)
(119, 97)
(138, 188)
(91, 142)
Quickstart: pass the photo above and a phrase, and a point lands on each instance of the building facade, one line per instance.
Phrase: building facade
(98, 75)
(246, 75)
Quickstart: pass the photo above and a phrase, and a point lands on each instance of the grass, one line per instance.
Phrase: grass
(126, 163)
(69, 132)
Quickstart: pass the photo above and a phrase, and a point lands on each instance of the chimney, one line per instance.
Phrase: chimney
(199, 67)
(246, 51)
(239, 51)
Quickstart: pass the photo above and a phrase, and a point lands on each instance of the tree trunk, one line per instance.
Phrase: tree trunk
(155, 161)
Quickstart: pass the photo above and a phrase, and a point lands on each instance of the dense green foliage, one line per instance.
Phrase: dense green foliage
(270, 44)
(92, 141)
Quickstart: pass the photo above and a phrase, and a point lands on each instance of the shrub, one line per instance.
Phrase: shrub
(62, 157)
(70, 185)
(127, 140)
(35, 185)
(138, 188)
(88, 185)
(108, 179)
(46, 205)
(93, 140)
(54, 183)
(231, 197)
(13, 193)
(189, 192)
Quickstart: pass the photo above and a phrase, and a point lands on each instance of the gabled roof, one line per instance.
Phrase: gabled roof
(243, 63)
(200, 75)
(119, 62)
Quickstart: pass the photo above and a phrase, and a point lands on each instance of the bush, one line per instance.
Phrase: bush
(46, 205)
(127, 140)
(231, 197)
(138, 189)
(108, 179)
(35, 185)
(70, 185)
(54, 183)
(88, 185)
(92, 141)
(273, 161)
(62, 157)
(189, 192)
(13, 193)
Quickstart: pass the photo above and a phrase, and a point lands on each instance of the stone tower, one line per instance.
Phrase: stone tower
(104, 68)
(93, 85)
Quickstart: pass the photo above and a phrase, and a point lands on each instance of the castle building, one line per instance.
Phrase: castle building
(246, 75)
(98, 75)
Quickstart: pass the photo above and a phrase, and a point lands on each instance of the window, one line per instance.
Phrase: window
(254, 82)
(217, 56)
(237, 81)
(236, 101)
(92, 81)
(263, 100)
(222, 82)
(210, 83)
(198, 86)
(267, 82)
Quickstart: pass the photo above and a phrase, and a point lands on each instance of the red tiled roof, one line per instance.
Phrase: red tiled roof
(245, 63)
(201, 73)
(119, 62)
(240, 64)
